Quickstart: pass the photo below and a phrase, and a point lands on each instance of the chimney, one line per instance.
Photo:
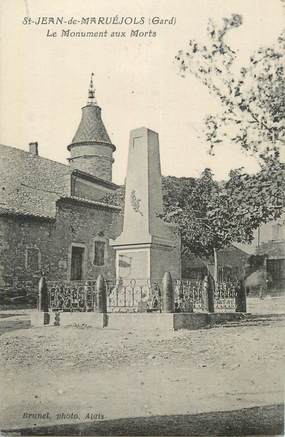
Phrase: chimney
(33, 148)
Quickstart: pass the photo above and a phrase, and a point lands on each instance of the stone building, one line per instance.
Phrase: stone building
(52, 216)
(270, 242)
(231, 264)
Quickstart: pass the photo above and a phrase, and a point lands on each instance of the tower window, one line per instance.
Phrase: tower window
(99, 253)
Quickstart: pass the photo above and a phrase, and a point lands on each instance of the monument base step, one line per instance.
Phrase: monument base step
(78, 319)
(134, 321)
(193, 321)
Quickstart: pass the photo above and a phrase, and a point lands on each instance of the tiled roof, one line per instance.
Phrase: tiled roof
(4, 210)
(95, 179)
(8, 211)
(90, 202)
(91, 127)
(30, 185)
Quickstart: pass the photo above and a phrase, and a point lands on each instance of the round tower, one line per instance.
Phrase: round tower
(91, 149)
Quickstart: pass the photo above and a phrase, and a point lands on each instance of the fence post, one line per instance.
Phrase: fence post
(43, 295)
(43, 302)
(241, 297)
(167, 294)
(101, 294)
(210, 294)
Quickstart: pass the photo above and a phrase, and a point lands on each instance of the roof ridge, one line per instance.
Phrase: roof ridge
(35, 156)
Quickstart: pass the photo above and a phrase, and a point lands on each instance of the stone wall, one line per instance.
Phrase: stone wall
(79, 224)
(4, 248)
(33, 184)
(88, 190)
(96, 165)
(82, 224)
(95, 159)
(18, 235)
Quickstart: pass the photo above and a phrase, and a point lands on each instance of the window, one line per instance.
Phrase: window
(33, 259)
(99, 253)
(77, 259)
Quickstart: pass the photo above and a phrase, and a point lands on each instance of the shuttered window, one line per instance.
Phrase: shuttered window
(99, 253)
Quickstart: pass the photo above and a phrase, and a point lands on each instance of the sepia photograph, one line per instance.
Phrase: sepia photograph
(142, 217)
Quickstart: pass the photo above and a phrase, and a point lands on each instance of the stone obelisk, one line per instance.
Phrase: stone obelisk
(147, 247)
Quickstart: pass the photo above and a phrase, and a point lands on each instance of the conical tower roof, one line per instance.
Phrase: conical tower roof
(91, 128)
(91, 150)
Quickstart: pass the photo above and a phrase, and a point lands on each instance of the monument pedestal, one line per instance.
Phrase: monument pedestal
(147, 261)
(147, 247)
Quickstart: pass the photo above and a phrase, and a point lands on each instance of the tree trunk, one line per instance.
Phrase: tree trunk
(215, 267)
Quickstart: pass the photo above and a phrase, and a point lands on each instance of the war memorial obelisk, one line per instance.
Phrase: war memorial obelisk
(147, 246)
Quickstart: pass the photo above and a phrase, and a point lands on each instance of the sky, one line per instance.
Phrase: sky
(44, 80)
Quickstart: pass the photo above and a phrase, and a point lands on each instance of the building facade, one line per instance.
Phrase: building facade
(231, 264)
(271, 244)
(53, 217)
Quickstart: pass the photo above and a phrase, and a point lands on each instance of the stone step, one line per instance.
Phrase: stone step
(256, 320)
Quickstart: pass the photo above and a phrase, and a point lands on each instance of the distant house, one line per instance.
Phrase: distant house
(231, 264)
(271, 244)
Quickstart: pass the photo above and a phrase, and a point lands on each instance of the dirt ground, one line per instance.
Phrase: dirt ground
(227, 380)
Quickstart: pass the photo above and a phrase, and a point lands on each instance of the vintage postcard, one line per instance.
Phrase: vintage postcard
(142, 226)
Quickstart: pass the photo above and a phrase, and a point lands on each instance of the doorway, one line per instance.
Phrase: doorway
(77, 258)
